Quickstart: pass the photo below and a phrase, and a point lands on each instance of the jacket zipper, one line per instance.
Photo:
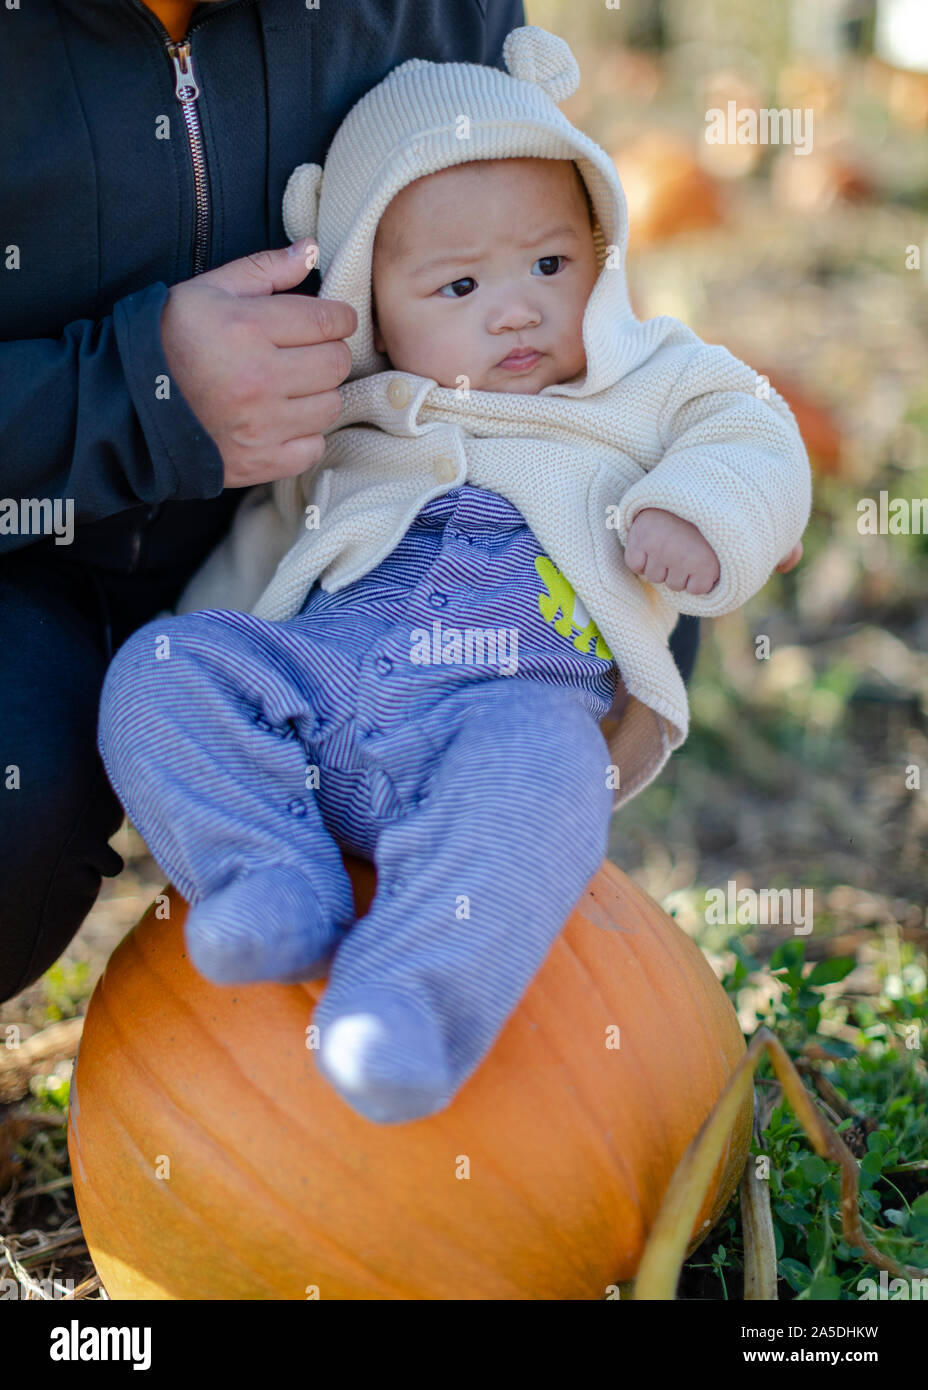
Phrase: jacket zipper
(187, 92)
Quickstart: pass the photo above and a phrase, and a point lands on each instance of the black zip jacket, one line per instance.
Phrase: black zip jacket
(104, 204)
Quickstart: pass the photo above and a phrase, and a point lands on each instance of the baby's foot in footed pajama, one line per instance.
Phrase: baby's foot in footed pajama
(266, 924)
(384, 1056)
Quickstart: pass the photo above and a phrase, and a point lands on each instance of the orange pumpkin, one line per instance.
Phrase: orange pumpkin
(666, 189)
(211, 1159)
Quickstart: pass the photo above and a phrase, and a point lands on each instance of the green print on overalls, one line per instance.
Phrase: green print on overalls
(574, 622)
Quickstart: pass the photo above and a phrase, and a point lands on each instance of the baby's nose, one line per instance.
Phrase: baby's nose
(514, 315)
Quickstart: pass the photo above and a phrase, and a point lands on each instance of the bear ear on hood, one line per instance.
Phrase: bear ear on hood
(301, 201)
(533, 55)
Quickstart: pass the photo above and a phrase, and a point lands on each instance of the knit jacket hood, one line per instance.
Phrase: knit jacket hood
(429, 116)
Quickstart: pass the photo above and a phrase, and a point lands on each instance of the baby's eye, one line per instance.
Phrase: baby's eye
(546, 263)
(466, 280)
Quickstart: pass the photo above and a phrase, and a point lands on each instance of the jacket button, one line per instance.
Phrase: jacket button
(398, 393)
(384, 665)
(297, 807)
(438, 600)
(444, 468)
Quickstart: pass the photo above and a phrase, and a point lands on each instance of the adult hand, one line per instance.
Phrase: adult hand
(258, 368)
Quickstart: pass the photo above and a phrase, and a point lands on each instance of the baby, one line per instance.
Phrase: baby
(412, 651)
(412, 317)
(511, 335)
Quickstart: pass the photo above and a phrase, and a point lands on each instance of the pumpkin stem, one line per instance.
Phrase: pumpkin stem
(667, 1244)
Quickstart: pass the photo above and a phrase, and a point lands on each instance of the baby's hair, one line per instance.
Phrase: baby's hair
(392, 244)
(586, 192)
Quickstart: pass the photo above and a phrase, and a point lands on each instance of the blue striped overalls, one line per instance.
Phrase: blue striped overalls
(440, 717)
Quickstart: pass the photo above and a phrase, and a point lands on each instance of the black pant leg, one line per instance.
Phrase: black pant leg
(56, 824)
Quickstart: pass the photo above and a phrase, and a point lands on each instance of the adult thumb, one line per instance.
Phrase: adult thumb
(265, 272)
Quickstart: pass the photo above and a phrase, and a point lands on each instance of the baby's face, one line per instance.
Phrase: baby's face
(481, 261)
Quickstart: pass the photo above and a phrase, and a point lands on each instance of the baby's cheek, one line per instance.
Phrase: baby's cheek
(573, 359)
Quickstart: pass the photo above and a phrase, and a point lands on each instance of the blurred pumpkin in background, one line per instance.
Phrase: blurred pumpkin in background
(666, 189)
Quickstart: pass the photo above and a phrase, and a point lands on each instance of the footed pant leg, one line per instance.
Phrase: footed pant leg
(474, 885)
(201, 738)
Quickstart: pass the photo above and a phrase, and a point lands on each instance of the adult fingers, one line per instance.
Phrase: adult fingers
(295, 320)
(306, 371)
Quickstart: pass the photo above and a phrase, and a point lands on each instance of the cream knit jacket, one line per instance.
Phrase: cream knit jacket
(658, 419)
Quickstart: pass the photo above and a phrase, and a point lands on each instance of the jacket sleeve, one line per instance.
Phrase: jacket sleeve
(735, 466)
(94, 416)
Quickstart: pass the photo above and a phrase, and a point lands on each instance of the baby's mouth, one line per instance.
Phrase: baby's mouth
(521, 360)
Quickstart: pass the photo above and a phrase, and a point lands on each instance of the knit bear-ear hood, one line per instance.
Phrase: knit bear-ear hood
(428, 116)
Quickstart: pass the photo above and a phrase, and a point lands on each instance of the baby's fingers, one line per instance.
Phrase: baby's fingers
(701, 583)
(655, 571)
(791, 560)
(645, 563)
(636, 557)
(678, 577)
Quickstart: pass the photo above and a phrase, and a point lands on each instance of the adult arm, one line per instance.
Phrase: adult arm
(94, 416)
(105, 415)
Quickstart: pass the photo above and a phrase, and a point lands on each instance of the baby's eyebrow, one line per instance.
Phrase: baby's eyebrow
(456, 257)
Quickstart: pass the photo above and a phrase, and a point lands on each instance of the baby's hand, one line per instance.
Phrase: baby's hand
(665, 549)
(790, 561)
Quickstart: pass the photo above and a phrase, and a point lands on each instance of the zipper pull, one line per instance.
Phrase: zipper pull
(185, 83)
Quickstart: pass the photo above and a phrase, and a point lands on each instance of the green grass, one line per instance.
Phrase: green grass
(877, 1068)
